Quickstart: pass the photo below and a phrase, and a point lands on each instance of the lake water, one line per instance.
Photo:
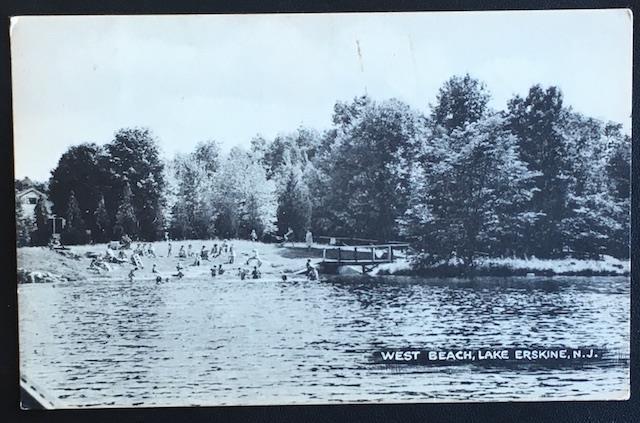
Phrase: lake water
(215, 342)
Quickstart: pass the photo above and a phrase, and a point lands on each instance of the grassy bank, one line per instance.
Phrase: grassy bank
(607, 266)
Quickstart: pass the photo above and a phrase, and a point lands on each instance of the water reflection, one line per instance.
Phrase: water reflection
(257, 342)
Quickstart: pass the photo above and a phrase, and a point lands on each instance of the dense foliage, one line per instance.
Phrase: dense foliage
(118, 188)
(461, 181)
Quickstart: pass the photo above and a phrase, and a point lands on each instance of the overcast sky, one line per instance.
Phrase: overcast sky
(228, 78)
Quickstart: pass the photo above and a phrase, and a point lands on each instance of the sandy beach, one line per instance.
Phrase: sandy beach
(276, 260)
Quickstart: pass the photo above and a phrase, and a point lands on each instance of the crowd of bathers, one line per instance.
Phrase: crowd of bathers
(222, 252)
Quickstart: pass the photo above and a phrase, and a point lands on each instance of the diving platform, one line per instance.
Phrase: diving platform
(366, 256)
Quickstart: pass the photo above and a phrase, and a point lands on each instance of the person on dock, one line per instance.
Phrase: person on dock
(256, 273)
(254, 235)
(182, 253)
(308, 239)
(169, 250)
(232, 255)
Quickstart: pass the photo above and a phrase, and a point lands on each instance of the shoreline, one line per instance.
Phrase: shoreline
(41, 264)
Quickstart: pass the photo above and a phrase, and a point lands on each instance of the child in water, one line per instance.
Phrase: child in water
(256, 273)
(220, 269)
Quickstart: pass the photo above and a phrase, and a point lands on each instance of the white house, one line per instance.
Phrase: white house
(29, 198)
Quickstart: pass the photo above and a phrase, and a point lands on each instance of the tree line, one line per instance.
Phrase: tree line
(462, 180)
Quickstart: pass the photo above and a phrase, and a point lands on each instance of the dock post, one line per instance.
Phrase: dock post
(355, 254)
(390, 257)
(373, 254)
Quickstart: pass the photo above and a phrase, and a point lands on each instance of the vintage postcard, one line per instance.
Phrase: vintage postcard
(322, 208)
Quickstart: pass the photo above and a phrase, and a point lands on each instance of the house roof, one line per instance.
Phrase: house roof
(30, 191)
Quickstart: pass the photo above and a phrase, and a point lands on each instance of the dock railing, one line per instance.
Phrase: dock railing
(363, 254)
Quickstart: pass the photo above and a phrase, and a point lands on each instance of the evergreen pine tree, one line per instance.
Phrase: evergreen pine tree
(126, 222)
(42, 232)
(294, 205)
(102, 226)
(74, 231)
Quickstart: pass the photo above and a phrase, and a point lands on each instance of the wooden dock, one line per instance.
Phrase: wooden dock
(366, 256)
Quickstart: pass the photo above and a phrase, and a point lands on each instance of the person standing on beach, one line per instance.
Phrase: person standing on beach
(169, 251)
(181, 253)
(254, 235)
(308, 239)
(189, 251)
(232, 255)
(204, 253)
(286, 236)
(132, 274)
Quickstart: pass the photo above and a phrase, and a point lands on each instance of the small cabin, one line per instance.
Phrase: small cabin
(29, 198)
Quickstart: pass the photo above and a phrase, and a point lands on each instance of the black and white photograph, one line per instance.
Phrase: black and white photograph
(322, 208)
